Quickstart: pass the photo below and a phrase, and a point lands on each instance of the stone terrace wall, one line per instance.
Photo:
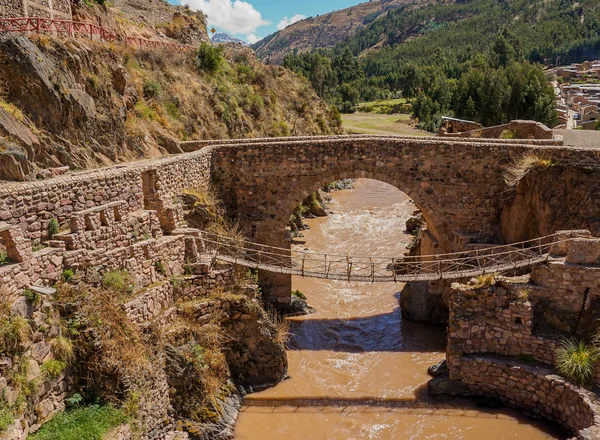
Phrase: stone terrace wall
(566, 290)
(32, 205)
(493, 329)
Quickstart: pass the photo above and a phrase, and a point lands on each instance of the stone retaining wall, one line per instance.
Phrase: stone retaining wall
(532, 388)
(59, 9)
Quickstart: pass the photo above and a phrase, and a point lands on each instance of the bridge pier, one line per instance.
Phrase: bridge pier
(277, 289)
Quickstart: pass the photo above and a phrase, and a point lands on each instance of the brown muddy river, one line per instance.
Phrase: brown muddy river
(358, 370)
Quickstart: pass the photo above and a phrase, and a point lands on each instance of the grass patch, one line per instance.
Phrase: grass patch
(372, 123)
(575, 361)
(33, 297)
(53, 368)
(62, 348)
(7, 415)
(14, 332)
(523, 295)
(4, 258)
(118, 281)
(89, 423)
(13, 110)
(486, 280)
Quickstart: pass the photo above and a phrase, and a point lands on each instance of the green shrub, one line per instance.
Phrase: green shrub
(7, 415)
(33, 297)
(160, 268)
(209, 58)
(53, 368)
(151, 89)
(172, 109)
(53, 227)
(508, 134)
(118, 281)
(4, 258)
(280, 129)
(89, 423)
(299, 294)
(68, 275)
(575, 361)
(36, 247)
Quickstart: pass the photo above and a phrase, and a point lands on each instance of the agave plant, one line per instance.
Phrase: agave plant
(576, 361)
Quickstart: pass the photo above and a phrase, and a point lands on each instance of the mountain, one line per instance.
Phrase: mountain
(327, 30)
(221, 37)
(475, 59)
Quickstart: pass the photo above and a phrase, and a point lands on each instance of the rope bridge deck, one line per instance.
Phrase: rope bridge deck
(467, 264)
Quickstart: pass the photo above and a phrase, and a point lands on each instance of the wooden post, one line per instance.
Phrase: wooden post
(303, 260)
(349, 263)
(394, 270)
(372, 270)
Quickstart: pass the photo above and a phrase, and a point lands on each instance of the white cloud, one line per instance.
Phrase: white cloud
(252, 38)
(235, 17)
(285, 22)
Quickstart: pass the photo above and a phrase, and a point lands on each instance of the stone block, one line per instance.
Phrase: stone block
(583, 251)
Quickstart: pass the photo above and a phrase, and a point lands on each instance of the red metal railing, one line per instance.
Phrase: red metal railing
(74, 29)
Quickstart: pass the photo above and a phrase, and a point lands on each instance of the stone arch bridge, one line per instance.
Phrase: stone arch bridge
(458, 184)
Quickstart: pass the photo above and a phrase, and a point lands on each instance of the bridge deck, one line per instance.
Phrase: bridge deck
(453, 266)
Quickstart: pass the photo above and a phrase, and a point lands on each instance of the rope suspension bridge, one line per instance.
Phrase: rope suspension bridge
(466, 264)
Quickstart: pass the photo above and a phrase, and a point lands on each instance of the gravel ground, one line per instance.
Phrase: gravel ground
(580, 138)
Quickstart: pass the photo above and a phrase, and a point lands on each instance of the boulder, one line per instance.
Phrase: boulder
(14, 166)
(439, 369)
(443, 386)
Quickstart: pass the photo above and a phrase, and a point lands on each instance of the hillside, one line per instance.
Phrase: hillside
(85, 104)
(327, 30)
(474, 60)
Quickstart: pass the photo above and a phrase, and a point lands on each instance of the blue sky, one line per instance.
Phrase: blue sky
(252, 20)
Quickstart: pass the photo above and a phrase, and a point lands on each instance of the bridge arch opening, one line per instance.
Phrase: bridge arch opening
(277, 232)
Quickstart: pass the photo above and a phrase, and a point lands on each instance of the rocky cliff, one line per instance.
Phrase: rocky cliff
(84, 104)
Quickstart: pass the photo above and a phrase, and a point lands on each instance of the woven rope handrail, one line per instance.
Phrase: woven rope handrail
(380, 269)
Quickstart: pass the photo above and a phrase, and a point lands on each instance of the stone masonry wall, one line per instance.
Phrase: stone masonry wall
(60, 9)
(495, 332)
(535, 389)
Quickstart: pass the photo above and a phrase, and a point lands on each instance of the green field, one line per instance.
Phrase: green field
(386, 107)
(373, 123)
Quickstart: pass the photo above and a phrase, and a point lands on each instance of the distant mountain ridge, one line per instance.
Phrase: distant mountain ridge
(221, 37)
(327, 30)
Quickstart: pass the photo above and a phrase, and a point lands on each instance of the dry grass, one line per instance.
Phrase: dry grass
(14, 329)
(282, 329)
(215, 220)
(529, 162)
(486, 280)
(62, 349)
(105, 336)
(523, 295)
